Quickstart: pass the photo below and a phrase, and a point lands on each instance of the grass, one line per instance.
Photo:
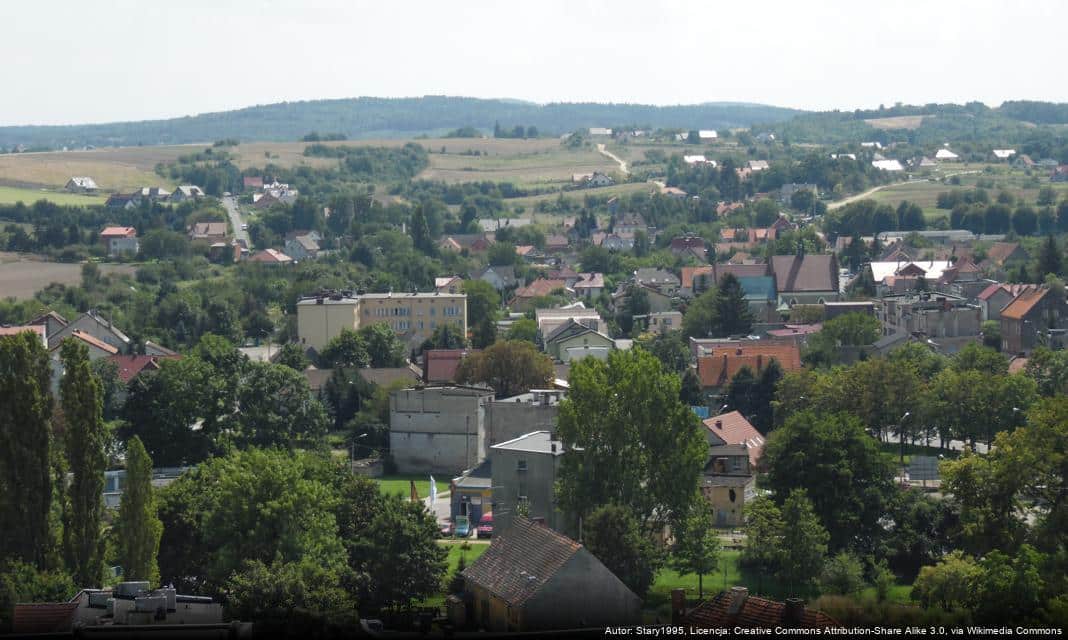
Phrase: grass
(11, 195)
(456, 551)
(399, 484)
(897, 122)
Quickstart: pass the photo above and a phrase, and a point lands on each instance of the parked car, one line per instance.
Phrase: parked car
(244, 226)
(485, 526)
(463, 527)
(448, 529)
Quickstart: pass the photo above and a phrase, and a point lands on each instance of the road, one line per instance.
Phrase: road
(860, 196)
(954, 445)
(230, 203)
(608, 154)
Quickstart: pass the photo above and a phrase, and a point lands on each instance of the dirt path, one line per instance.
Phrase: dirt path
(860, 196)
(608, 154)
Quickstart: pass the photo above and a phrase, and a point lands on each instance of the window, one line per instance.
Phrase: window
(522, 492)
(521, 465)
(433, 311)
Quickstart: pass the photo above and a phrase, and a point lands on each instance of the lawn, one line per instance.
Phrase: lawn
(11, 195)
(399, 484)
(456, 551)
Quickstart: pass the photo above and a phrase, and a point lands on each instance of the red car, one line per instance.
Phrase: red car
(485, 526)
(448, 529)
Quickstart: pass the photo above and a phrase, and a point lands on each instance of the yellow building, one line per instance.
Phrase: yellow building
(413, 316)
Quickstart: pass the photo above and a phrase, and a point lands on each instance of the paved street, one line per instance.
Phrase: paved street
(230, 203)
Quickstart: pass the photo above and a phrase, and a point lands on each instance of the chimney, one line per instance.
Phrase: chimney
(538, 520)
(719, 424)
(678, 605)
(794, 612)
(738, 598)
(552, 447)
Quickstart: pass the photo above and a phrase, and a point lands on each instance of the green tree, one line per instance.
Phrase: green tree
(259, 590)
(484, 333)
(976, 357)
(763, 533)
(1009, 588)
(347, 349)
(612, 534)
(697, 546)
(635, 444)
(849, 330)
(690, 393)
(502, 254)
(669, 348)
(447, 336)
(138, 527)
(421, 238)
(1050, 258)
(509, 368)
(86, 441)
(991, 332)
(731, 310)
(523, 329)
(482, 301)
(847, 477)
(843, 574)
(276, 409)
(384, 349)
(25, 457)
(636, 304)
(292, 355)
(804, 541)
(23, 582)
(947, 584)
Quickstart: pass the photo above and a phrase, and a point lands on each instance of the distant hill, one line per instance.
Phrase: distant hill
(389, 118)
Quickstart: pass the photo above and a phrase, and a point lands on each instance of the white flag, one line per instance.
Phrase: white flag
(433, 491)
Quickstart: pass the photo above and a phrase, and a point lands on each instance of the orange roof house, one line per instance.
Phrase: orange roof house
(733, 428)
(718, 365)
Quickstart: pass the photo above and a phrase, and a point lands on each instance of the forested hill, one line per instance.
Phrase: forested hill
(390, 118)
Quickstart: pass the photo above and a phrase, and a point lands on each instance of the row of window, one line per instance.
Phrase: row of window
(404, 312)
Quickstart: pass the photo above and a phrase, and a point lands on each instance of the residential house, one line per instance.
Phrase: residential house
(736, 609)
(658, 300)
(95, 326)
(438, 429)
(186, 192)
(549, 320)
(664, 281)
(412, 316)
(567, 274)
(1006, 255)
(449, 284)
(689, 246)
(388, 376)
(660, 322)
(500, 278)
(898, 276)
(717, 364)
(946, 155)
(122, 201)
(263, 201)
(120, 241)
(887, 165)
(630, 223)
(760, 294)
(798, 333)
(208, 233)
(707, 134)
(600, 131)
(81, 184)
(303, 245)
(525, 470)
(947, 321)
(1024, 161)
(698, 159)
(130, 366)
(572, 340)
(534, 579)
(440, 365)
(1033, 318)
(805, 278)
(51, 321)
(673, 192)
(599, 179)
(271, 257)
(527, 252)
(757, 165)
(252, 182)
(729, 479)
(622, 241)
(556, 243)
(495, 224)
(996, 296)
(589, 285)
(153, 194)
(1004, 154)
(524, 297)
(470, 242)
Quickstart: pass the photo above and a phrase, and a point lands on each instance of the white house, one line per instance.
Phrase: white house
(707, 134)
(81, 184)
(600, 131)
(1004, 154)
(887, 165)
(698, 159)
(946, 154)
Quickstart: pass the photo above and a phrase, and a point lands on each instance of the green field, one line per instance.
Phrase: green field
(399, 484)
(11, 195)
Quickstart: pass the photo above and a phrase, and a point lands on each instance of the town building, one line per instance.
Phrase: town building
(729, 479)
(1035, 317)
(509, 418)
(996, 296)
(525, 470)
(412, 316)
(948, 321)
(95, 326)
(660, 322)
(718, 363)
(806, 278)
(120, 241)
(471, 493)
(303, 245)
(440, 365)
(208, 232)
(270, 257)
(572, 340)
(438, 429)
(500, 278)
(534, 579)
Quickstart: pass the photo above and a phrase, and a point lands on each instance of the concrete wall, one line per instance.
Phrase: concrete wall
(508, 420)
(437, 430)
(582, 593)
(537, 483)
(318, 324)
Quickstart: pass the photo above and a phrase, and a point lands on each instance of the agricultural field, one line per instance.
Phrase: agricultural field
(530, 167)
(897, 122)
(11, 195)
(21, 275)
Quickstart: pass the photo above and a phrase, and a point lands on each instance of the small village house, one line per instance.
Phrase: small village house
(120, 241)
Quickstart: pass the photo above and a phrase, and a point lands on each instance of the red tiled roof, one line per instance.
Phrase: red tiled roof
(130, 366)
(39, 329)
(1012, 289)
(796, 330)
(46, 617)
(999, 251)
(524, 249)
(271, 256)
(733, 428)
(439, 365)
(1018, 364)
(718, 367)
(1023, 304)
(252, 181)
(521, 561)
(717, 613)
(688, 274)
(540, 287)
(118, 232)
(812, 272)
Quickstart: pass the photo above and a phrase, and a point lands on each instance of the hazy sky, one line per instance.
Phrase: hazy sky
(96, 60)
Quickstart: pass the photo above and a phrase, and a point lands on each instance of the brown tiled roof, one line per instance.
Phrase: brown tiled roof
(47, 617)
(1012, 289)
(41, 319)
(741, 270)
(753, 612)
(999, 251)
(93, 341)
(718, 367)
(687, 242)
(118, 232)
(39, 329)
(130, 366)
(540, 287)
(1023, 304)
(1018, 364)
(733, 428)
(439, 365)
(812, 272)
(252, 181)
(688, 274)
(383, 376)
(521, 561)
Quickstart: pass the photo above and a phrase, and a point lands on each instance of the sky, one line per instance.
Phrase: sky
(72, 62)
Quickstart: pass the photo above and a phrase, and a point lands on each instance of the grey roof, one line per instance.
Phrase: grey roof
(533, 442)
(726, 481)
(481, 477)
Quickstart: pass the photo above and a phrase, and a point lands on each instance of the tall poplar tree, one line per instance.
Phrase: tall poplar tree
(81, 400)
(138, 526)
(25, 482)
